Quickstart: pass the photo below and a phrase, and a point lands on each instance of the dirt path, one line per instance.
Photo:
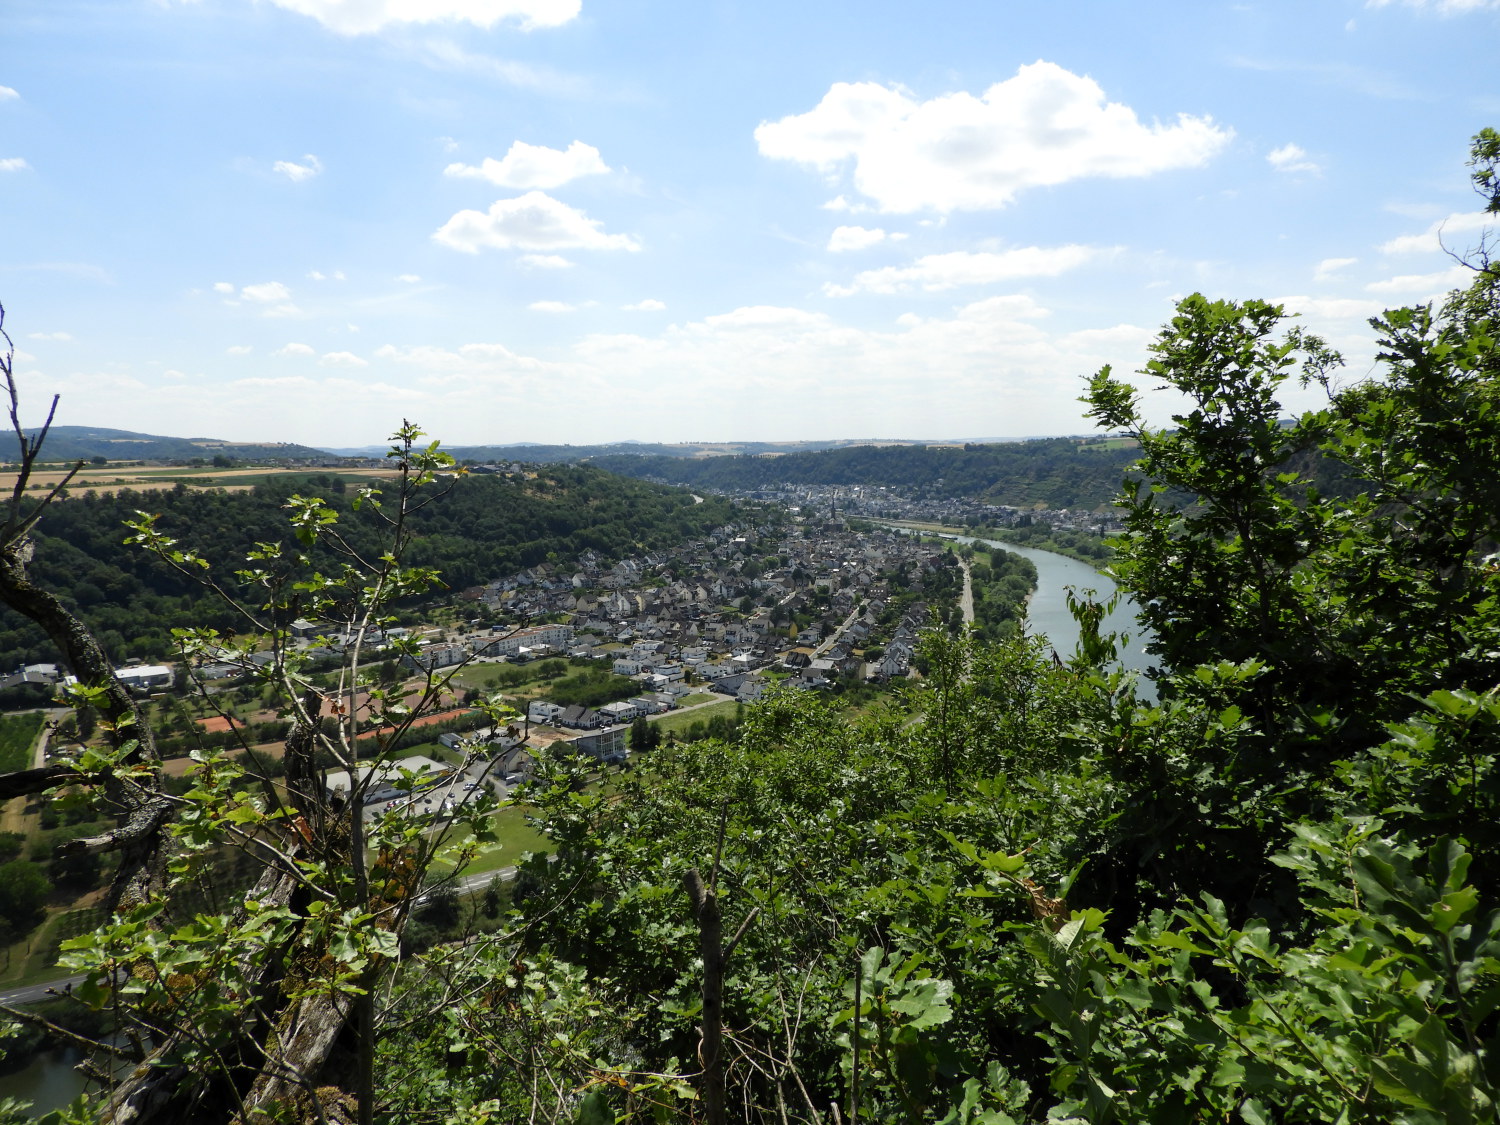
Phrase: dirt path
(966, 603)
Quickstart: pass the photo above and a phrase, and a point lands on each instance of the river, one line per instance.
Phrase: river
(1047, 613)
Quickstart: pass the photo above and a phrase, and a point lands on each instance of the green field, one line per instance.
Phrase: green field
(17, 736)
(679, 721)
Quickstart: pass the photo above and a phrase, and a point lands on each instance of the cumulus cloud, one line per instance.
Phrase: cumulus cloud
(319, 275)
(937, 272)
(650, 304)
(959, 152)
(409, 278)
(854, 238)
(13, 164)
(1333, 308)
(343, 359)
(534, 166)
(1431, 239)
(1291, 158)
(1424, 284)
(551, 306)
(8, 94)
(534, 221)
(296, 349)
(299, 172)
(1330, 266)
(265, 292)
(240, 349)
(545, 262)
(361, 17)
(224, 287)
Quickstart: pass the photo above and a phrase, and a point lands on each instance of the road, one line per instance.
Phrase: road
(36, 993)
(967, 601)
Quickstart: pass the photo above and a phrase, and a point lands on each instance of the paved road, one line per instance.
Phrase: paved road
(967, 601)
(36, 993)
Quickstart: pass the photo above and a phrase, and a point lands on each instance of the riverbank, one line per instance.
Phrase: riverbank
(1083, 546)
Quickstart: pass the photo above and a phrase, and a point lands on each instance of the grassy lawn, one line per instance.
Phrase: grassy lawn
(516, 838)
(696, 697)
(679, 721)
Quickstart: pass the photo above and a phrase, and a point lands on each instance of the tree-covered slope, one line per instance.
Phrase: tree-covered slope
(84, 443)
(484, 528)
(1057, 472)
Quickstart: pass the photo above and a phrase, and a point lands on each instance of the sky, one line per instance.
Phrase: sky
(603, 220)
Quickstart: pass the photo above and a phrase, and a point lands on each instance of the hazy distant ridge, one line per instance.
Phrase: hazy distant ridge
(74, 443)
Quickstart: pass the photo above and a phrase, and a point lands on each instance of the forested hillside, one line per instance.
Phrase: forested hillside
(1056, 472)
(484, 528)
(84, 443)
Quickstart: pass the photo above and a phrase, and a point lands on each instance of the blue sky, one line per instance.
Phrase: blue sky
(554, 220)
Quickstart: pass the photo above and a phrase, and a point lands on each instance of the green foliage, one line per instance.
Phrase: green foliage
(1384, 1012)
(24, 890)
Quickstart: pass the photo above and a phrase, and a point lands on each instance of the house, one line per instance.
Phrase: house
(144, 677)
(540, 711)
(579, 717)
(626, 666)
(621, 711)
(752, 689)
(607, 745)
(433, 657)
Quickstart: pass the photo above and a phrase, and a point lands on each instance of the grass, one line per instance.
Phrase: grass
(696, 697)
(515, 836)
(17, 737)
(679, 721)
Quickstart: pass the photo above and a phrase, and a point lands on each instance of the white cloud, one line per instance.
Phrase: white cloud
(534, 166)
(1291, 158)
(295, 349)
(1332, 308)
(343, 359)
(8, 94)
(241, 349)
(265, 292)
(299, 172)
(223, 287)
(319, 275)
(954, 152)
(551, 306)
(650, 304)
(358, 17)
(61, 337)
(545, 261)
(936, 272)
(1424, 285)
(1431, 240)
(283, 310)
(409, 278)
(13, 164)
(854, 238)
(1442, 7)
(1330, 266)
(534, 221)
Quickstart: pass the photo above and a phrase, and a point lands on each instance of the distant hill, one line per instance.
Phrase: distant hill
(1057, 472)
(527, 451)
(75, 443)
